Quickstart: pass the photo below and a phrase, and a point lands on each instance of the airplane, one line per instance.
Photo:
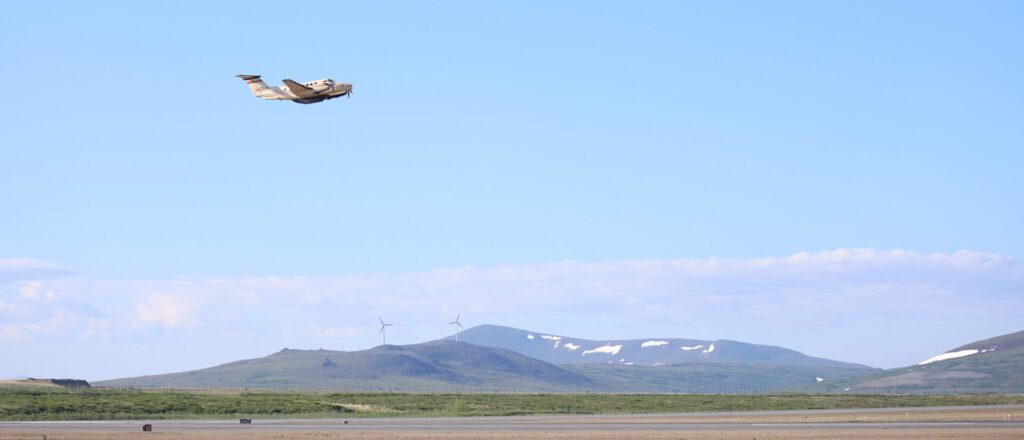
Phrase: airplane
(305, 93)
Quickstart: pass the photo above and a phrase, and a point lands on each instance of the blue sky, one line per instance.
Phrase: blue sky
(500, 135)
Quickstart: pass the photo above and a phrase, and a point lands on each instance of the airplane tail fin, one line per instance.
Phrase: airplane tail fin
(256, 84)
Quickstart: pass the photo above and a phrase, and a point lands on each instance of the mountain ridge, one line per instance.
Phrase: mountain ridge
(560, 349)
(446, 365)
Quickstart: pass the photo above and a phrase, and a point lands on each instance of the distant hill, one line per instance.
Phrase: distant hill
(45, 383)
(566, 350)
(990, 365)
(432, 366)
(457, 366)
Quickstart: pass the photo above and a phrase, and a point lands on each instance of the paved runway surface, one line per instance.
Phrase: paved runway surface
(1005, 419)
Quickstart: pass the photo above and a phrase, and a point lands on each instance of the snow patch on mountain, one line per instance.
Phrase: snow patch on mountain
(695, 347)
(570, 346)
(819, 379)
(947, 356)
(653, 344)
(604, 349)
(530, 337)
(557, 339)
(710, 349)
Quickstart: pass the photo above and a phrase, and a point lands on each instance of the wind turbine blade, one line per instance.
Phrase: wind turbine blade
(381, 320)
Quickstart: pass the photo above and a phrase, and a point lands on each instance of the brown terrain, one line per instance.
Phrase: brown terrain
(995, 422)
(859, 434)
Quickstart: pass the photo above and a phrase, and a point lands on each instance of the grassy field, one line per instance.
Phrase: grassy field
(110, 404)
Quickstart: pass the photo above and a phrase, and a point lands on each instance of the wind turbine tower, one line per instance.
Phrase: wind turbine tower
(383, 333)
(457, 325)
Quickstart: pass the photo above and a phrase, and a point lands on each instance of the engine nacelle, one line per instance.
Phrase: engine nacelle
(310, 100)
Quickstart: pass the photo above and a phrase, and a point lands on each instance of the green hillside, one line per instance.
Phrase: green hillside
(110, 404)
(994, 365)
(432, 366)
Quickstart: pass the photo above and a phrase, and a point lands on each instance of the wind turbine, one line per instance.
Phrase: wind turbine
(383, 334)
(457, 325)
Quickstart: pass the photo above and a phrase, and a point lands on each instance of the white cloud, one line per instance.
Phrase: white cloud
(28, 269)
(34, 290)
(778, 300)
(95, 328)
(10, 309)
(167, 310)
(17, 332)
(342, 332)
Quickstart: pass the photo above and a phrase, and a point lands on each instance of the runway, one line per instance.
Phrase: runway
(1004, 421)
(493, 425)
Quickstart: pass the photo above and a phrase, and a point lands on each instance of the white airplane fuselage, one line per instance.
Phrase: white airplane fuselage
(303, 93)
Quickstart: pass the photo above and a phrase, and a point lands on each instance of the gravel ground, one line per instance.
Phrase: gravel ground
(859, 434)
(996, 423)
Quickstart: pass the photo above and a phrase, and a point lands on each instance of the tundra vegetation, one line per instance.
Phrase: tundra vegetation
(23, 403)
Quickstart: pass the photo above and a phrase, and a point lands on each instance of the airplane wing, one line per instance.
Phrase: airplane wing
(299, 89)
